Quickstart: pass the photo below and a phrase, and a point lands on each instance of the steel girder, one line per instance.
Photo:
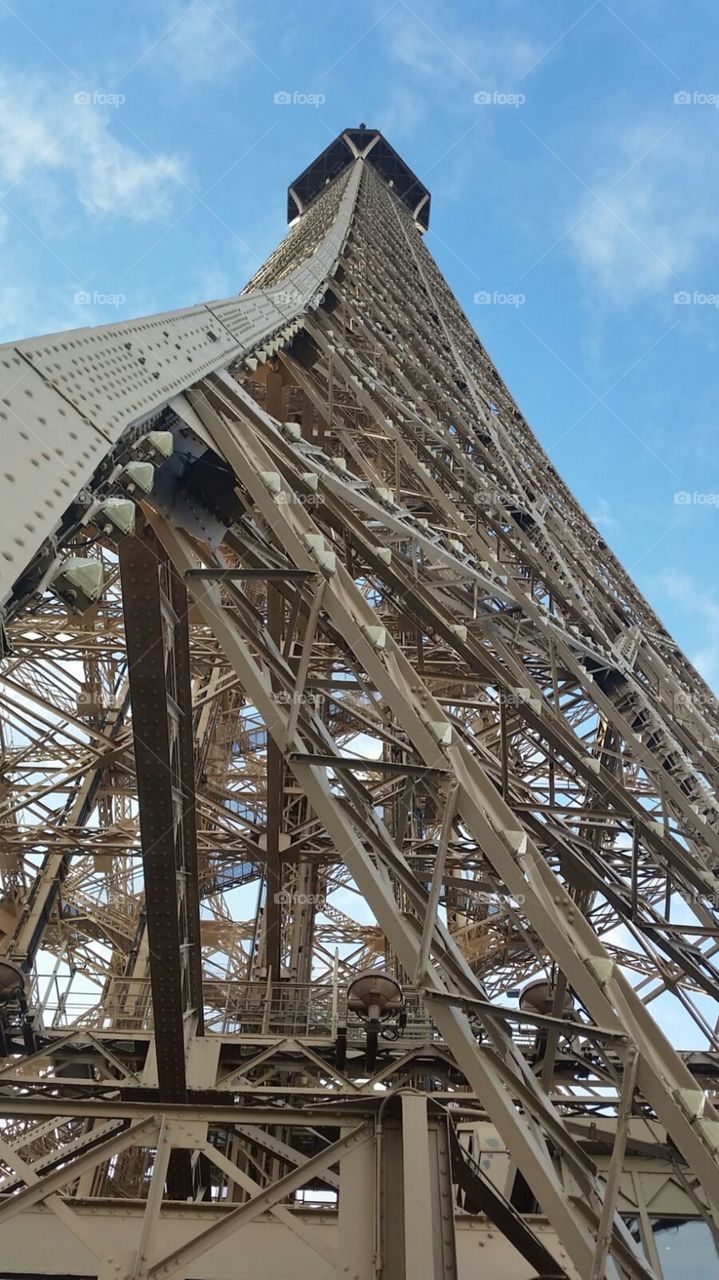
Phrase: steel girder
(576, 949)
(436, 590)
(155, 606)
(134, 369)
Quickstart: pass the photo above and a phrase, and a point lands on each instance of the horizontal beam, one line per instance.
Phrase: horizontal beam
(252, 575)
(388, 767)
(246, 1213)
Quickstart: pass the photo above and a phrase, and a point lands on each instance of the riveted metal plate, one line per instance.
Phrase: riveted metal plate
(117, 373)
(65, 398)
(48, 452)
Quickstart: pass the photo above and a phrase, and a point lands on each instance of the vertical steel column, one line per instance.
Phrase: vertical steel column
(275, 779)
(418, 1205)
(357, 1217)
(416, 1238)
(155, 609)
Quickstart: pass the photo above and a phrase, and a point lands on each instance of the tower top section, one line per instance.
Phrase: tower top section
(351, 145)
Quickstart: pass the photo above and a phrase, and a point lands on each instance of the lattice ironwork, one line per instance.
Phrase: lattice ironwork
(407, 714)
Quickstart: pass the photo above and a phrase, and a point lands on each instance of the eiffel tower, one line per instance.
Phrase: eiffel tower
(359, 826)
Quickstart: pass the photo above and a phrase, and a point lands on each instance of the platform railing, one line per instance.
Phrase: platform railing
(257, 1009)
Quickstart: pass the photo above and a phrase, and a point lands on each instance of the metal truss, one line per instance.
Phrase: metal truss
(364, 689)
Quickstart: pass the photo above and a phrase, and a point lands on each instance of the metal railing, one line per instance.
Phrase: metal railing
(314, 1010)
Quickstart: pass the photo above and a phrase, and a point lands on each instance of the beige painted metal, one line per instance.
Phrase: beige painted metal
(576, 948)
(267, 1250)
(522, 1137)
(458, 610)
(67, 397)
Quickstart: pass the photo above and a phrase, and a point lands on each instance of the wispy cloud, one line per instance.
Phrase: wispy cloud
(602, 515)
(441, 61)
(652, 226)
(46, 134)
(430, 44)
(702, 607)
(27, 307)
(437, 63)
(205, 41)
(402, 111)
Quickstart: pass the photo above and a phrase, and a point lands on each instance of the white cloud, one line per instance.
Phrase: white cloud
(631, 244)
(623, 249)
(204, 41)
(704, 607)
(428, 45)
(28, 307)
(650, 229)
(402, 112)
(47, 134)
(602, 516)
(442, 64)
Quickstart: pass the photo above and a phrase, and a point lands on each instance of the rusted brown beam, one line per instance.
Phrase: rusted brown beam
(155, 612)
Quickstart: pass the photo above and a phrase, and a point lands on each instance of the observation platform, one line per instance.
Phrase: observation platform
(350, 145)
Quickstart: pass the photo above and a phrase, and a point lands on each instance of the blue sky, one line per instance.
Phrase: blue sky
(577, 182)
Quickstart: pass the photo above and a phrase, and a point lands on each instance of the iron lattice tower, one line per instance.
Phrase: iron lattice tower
(313, 665)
